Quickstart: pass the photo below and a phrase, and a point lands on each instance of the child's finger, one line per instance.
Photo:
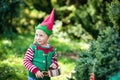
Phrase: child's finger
(39, 76)
(51, 65)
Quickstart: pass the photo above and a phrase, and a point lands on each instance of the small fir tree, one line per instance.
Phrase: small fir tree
(104, 53)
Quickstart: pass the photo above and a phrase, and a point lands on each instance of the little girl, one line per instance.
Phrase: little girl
(41, 56)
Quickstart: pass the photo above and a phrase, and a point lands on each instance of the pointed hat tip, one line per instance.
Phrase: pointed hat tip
(49, 21)
(52, 12)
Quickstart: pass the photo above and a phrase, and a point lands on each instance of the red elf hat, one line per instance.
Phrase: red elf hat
(47, 24)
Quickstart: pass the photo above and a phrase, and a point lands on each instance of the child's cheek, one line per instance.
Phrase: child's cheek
(35, 39)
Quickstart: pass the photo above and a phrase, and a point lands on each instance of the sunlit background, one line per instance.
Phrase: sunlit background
(86, 32)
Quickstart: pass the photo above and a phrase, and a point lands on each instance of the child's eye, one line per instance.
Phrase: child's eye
(36, 34)
(41, 35)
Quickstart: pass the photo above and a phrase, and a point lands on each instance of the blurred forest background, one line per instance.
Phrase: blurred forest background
(86, 35)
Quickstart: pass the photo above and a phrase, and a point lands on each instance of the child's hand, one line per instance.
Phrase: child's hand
(53, 66)
(39, 74)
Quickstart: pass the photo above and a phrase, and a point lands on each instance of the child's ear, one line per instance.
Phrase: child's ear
(50, 36)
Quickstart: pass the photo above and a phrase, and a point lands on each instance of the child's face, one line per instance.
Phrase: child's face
(41, 37)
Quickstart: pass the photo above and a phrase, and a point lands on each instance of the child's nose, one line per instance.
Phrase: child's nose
(38, 38)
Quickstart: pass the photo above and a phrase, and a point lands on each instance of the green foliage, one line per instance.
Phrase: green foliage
(11, 70)
(82, 69)
(114, 14)
(66, 46)
(9, 9)
(103, 57)
(92, 17)
(80, 19)
(44, 5)
(77, 17)
(17, 46)
(6, 73)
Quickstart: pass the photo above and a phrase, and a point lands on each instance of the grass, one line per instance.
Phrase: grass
(12, 54)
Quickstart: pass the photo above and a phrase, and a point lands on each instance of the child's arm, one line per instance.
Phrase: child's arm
(54, 60)
(27, 61)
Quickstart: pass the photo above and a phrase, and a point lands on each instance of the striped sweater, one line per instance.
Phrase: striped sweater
(28, 61)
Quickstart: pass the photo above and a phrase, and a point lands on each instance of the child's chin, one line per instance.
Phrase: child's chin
(39, 43)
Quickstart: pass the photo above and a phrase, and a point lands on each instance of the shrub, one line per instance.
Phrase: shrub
(7, 72)
(10, 70)
(104, 53)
